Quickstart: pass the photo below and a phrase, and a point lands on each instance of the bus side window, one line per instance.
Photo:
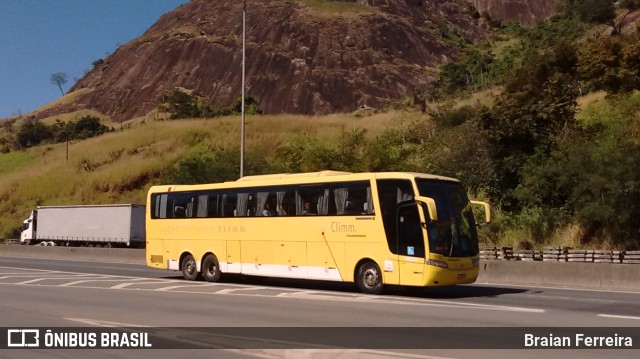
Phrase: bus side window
(202, 206)
(159, 205)
(283, 201)
(178, 212)
(352, 198)
(228, 205)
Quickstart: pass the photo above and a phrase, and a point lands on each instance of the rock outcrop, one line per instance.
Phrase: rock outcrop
(527, 12)
(303, 56)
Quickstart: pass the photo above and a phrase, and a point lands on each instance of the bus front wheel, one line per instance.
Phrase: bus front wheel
(211, 268)
(369, 278)
(189, 268)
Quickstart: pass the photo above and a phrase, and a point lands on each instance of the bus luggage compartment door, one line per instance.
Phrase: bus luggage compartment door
(233, 260)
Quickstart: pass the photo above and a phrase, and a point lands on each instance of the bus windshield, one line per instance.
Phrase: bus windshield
(454, 233)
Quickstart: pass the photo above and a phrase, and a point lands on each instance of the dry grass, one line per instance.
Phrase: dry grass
(484, 98)
(64, 100)
(77, 115)
(590, 98)
(119, 167)
(327, 9)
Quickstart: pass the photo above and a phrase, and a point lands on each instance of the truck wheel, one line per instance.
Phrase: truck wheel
(369, 278)
(189, 268)
(211, 268)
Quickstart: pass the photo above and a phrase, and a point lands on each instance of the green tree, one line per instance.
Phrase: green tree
(88, 126)
(535, 111)
(33, 133)
(596, 11)
(250, 103)
(205, 165)
(179, 104)
(59, 79)
(610, 63)
(305, 154)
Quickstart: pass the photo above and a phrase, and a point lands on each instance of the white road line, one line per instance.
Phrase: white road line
(101, 323)
(19, 274)
(618, 316)
(511, 285)
(125, 285)
(234, 290)
(26, 269)
(105, 279)
(408, 301)
(47, 278)
(39, 275)
(163, 289)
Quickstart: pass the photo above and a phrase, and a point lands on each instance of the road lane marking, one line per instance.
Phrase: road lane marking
(511, 285)
(32, 281)
(618, 316)
(233, 290)
(125, 285)
(105, 279)
(102, 323)
(171, 287)
(406, 301)
(179, 286)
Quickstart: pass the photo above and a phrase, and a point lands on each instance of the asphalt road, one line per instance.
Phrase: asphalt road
(65, 293)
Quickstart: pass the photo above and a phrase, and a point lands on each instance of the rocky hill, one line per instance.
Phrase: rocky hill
(526, 12)
(303, 56)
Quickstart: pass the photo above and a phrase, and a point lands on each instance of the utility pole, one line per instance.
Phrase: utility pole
(66, 139)
(244, 20)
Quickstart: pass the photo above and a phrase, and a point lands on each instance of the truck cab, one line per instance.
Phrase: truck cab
(29, 228)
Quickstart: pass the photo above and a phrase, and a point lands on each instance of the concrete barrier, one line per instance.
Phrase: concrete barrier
(116, 255)
(606, 276)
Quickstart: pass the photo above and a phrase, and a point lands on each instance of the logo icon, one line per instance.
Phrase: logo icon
(410, 251)
(23, 338)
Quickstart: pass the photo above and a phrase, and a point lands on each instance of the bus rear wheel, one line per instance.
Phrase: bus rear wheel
(369, 278)
(189, 267)
(211, 268)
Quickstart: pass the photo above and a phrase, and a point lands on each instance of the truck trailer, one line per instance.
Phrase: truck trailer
(113, 225)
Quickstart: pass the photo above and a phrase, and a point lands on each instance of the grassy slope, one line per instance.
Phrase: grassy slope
(119, 167)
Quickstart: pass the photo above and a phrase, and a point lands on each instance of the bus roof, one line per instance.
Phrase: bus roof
(328, 173)
(293, 175)
(302, 178)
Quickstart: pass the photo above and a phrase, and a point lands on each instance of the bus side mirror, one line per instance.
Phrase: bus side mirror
(431, 206)
(487, 211)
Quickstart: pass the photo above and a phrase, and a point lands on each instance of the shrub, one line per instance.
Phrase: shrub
(33, 133)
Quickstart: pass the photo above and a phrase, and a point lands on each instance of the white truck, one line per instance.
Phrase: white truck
(117, 225)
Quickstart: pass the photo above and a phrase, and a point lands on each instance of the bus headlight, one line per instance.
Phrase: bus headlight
(475, 262)
(441, 264)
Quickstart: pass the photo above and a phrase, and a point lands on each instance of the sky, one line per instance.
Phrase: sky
(41, 37)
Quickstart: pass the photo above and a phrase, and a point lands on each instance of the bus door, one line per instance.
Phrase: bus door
(411, 247)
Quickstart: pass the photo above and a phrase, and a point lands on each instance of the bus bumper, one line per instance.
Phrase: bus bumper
(435, 276)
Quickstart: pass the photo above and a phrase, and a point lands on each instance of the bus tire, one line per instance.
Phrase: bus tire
(211, 268)
(189, 267)
(369, 278)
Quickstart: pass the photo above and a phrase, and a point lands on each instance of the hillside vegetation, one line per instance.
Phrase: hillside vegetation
(543, 122)
(119, 167)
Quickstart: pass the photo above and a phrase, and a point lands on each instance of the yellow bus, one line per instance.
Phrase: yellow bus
(395, 228)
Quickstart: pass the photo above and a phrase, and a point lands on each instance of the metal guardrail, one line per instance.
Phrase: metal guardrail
(560, 254)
